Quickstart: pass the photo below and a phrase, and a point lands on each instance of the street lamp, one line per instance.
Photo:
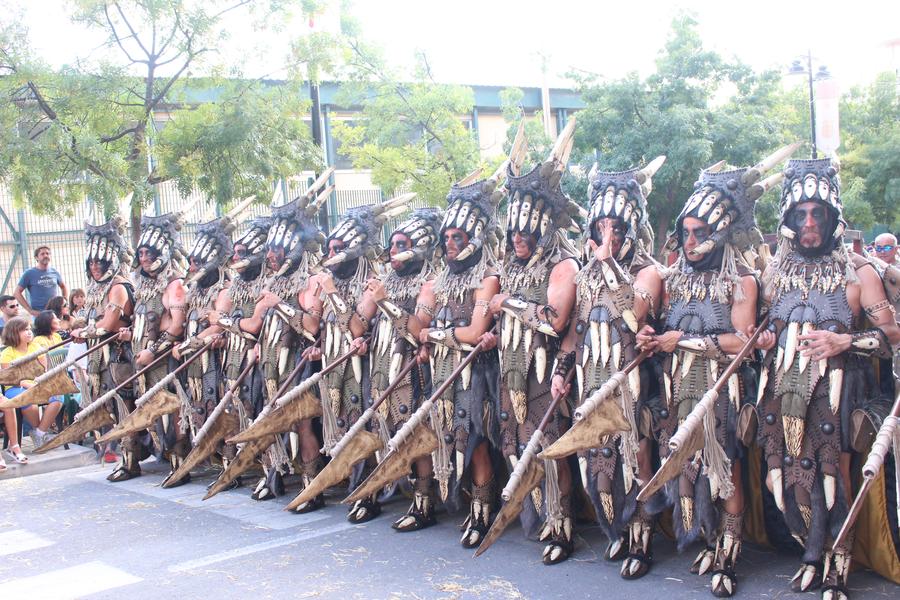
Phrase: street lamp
(797, 68)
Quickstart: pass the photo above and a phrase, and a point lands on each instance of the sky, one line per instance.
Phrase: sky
(505, 43)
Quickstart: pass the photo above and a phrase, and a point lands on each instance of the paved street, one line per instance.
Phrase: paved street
(70, 534)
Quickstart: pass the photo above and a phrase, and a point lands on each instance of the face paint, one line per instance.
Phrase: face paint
(799, 216)
(701, 233)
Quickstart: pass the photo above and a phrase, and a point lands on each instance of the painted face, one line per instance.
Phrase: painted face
(96, 269)
(618, 233)
(194, 265)
(809, 220)
(454, 242)
(399, 243)
(693, 233)
(523, 245)
(275, 258)
(146, 256)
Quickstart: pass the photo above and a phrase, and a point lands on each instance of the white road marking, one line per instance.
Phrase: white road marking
(19, 540)
(254, 548)
(232, 504)
(73, 582)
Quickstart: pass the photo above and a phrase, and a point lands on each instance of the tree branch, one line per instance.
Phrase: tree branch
(134, 34)
(118, 40)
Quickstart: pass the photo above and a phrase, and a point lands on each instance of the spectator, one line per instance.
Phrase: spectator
(46, 329)
(9, 308)
(886, 248)
(19, 341)
(60, 307)
(42, 283)
(76, 302)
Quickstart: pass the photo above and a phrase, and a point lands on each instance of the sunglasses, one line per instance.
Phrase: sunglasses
(12, 306)
(887, 248)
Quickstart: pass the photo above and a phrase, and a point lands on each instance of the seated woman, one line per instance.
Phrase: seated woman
(19, 341)
(60, 307)
(47, 326)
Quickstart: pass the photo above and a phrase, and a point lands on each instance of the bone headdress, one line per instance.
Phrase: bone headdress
(108, 244)
(623, 195)
(726, 201)
(212, 248)
(360, 229)
(537, 204)
(472, 203)
(161, 234)
(294, 228)
(422, 229)
(254, 239)
(812, 180)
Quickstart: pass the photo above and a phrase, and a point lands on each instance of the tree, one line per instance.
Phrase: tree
(410, 132)
(97, 127)
(697, 109)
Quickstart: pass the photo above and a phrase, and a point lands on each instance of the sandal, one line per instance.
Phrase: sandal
(16, 452)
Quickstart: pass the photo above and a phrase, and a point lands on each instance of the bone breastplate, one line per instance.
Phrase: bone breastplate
(243, 302)
(520, 346)
(200, 302)
(390, 351)
(689, 375)
(456, 313)
(604, 340)
(148, 314)
(278, 343)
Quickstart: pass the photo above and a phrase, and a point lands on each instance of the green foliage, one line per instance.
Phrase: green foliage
(409, 132)
(697, 109)
(92, 128)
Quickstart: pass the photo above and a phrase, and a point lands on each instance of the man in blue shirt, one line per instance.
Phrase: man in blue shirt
(42, 282)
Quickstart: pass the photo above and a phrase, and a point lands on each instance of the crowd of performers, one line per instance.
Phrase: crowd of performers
(476, 355)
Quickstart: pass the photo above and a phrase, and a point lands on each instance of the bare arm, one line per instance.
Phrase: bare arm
(174, 301)
(481, 319)
(743, 316)
(63, 287)
(20, 296)
(561, 293)
(115, 308)
(648, 290)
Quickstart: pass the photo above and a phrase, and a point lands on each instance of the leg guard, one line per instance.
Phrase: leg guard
(176, 458)
(557, 532)
(308, 471)
(836, 571)
(421, 513)
(728, 547)
(477, 523)
(640, 534)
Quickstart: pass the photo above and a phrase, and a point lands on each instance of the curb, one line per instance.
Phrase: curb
(55, 460)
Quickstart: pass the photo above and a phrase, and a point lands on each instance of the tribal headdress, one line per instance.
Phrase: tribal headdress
(813, 180)
(422, 229)
(294, 228)
(537, 206)
(213, 248)
(360, 229)
(107, 243)
(623, 195)
(254, 239)
(472, 205)
(725, 200)
(160, 235)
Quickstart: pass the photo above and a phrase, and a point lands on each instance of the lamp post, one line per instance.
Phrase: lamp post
(797, 68)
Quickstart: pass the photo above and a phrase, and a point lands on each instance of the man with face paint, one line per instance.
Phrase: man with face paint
(237, 319)
(352, 246)
(466, 424)
(108, 307)
(619, 290)
(207, 291)
(405, 301)
(537, 294)
(159, 318)
(712, 308)
(286, 319)
(830, 318)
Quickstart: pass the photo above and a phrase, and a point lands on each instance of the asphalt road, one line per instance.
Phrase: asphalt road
(70, 534)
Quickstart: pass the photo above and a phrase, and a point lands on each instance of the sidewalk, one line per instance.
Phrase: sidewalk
(55, 460)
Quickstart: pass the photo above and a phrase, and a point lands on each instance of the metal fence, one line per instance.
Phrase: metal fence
(22, 231)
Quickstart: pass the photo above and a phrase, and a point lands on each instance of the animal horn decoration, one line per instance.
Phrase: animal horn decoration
(755, 173)
(517, 154)
(421, 228)
(725, 200)
(622, 195)
(359, 231)
(537, 207)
